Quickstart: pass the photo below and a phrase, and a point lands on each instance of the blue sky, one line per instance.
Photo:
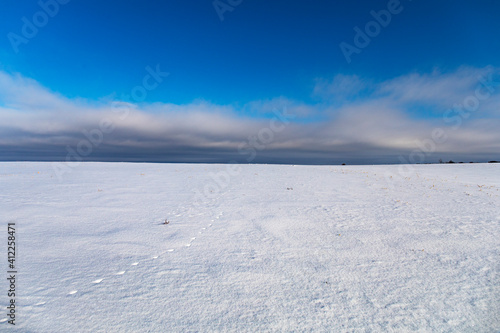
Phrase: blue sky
(263, 55)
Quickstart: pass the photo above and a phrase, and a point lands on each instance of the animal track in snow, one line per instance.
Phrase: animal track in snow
(98, 281)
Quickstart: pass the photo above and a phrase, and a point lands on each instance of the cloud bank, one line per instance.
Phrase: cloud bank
(452, 115)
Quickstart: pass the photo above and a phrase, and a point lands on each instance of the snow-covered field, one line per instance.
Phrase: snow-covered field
(272, 248)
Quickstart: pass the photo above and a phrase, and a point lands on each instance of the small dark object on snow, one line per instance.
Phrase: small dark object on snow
(166, 221)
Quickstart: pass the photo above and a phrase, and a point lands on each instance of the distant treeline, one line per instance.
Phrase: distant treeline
(450, 161)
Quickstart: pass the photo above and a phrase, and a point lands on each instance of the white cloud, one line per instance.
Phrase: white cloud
(437, 88)
(35, 121)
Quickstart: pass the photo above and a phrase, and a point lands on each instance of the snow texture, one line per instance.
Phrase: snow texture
(274, 248)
